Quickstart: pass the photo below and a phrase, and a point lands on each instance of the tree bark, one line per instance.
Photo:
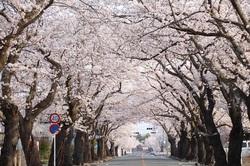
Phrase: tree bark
(173, 148)
(29, 145)
(193, 149)
(234, 100)
(82, 149)
(215, 141)
(11, 133)
(107, 151)
(212, 131)
(116, 150)
(183, 144)
(93, 154)
(87, 149)
(201, 149)
(247, 102)
(68, 153)
(235, 137)
(100, 148)
(11, 117)
(122, 151)
(209, 153)
(78, 149)
(112, 148)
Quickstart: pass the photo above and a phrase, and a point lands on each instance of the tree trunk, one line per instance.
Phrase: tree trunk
(201, 149)
(193, 149)
(68, 148)
(234, 101)
(183, 148)
(173, 148)
(82, 150)
(209, 154)
(219, 153)
(112, 148)
(107, 149)
(30, 147)
(100, 149)
(183, 144)
(214, 139)
(11, 133)
(87, 158)
(235, 137)
(122, 152)
(93, 154)
(247, 102)
(116, 150)
(78, 148)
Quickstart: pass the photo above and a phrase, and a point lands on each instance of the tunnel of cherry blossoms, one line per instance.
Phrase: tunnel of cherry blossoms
(124, 82)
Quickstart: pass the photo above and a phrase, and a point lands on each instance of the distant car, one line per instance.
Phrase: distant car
(152, 153)
(245, 149)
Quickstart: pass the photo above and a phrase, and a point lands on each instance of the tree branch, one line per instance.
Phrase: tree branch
(48, 100)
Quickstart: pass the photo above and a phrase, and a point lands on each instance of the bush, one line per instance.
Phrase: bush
(44, 146)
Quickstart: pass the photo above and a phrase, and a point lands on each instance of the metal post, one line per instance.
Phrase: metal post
(54, 149)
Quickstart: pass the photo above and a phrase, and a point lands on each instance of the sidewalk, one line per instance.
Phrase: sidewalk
(246, 161)
(97, 163)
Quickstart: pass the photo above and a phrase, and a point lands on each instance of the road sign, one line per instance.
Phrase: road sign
(54, 118)
(54, 128)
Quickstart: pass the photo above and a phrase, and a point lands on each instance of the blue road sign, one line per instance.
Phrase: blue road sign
(54, 128)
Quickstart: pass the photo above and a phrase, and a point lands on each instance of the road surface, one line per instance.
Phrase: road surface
(145, 160)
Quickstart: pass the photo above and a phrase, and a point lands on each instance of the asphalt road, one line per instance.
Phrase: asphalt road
(145, 160)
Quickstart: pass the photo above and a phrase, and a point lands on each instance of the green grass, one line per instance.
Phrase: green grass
(45, 146)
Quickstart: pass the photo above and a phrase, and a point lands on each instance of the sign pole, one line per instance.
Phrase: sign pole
(54, 149)
(54, 128)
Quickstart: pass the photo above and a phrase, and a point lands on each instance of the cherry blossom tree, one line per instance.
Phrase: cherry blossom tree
(16, 18)
(216, 34)
(191, 60)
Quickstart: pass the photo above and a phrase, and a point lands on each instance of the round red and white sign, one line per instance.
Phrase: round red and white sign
(55, 118)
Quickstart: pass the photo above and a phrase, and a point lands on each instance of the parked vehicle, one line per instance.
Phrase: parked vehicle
(245, 149)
